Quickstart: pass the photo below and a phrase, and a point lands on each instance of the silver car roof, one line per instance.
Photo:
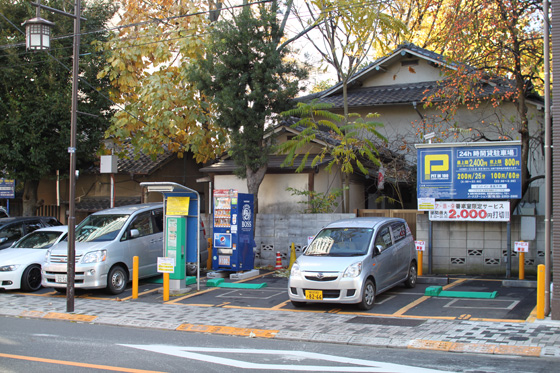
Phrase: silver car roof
(130, 209)
(364, 222)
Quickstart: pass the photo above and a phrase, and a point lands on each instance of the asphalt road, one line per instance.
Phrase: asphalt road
(31, 345)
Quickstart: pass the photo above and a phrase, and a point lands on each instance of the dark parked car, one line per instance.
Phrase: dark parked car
(14, 228)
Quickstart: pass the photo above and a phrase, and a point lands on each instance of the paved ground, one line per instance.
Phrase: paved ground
(538, 338)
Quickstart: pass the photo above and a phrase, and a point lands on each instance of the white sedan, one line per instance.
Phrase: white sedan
(20, 265)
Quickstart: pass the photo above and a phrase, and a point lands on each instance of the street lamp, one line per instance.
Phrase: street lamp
(38, 38)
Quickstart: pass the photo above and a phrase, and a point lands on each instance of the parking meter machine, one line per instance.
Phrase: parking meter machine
(233, 241)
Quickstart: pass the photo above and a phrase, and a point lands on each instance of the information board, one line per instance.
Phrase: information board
(7, 188)
(470, 211)
(477, 171)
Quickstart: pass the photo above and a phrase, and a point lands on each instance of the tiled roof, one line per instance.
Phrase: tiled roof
(228, 165)
(399, 94)
(141, 164)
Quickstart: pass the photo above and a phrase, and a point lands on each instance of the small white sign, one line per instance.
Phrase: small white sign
(420, 245)
(521, 247)
(426, 204)
(165, 265)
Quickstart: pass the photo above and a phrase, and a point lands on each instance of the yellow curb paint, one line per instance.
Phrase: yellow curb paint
(518, 350)
(410, 305)
(71, 317)
(486, 348)
(76, 364)
(229, 330)
(424, 344)
(32, 314)
(482, 348)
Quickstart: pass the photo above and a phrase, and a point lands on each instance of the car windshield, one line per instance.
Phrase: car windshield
(340, 242)
(100, 228)
(38, 240)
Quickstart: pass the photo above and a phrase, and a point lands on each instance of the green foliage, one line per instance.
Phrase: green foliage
(35, 93)
(248, 79)
(318, 203)
(351, 140)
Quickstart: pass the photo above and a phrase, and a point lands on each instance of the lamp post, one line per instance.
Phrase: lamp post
(38, 38)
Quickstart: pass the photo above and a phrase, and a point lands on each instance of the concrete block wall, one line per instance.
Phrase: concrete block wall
(276, 233)
(477, 248)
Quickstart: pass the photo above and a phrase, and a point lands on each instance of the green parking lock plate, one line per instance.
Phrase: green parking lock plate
(433, 291)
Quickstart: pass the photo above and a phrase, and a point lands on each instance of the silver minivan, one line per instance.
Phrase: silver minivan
(352, 261)
(106, 243)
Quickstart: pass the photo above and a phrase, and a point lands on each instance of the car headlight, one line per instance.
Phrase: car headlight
(9, 267)
(295, 270)
(95, 256)
(353, 270)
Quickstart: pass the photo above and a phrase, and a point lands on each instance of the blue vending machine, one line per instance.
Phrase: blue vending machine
(232, 247)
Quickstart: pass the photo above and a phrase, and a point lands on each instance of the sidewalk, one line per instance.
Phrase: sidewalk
(540, 338)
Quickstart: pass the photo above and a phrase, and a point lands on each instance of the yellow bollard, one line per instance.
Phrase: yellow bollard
(522, 266)
(135, 277)
(165, 286)
(540, 291)
(209, 260)
(292, 256)
(420, 257)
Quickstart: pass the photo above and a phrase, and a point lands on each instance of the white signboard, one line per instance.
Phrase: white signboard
(470, 211)
(521, 247)
(426, 204)
(165, 265)
(420, 245)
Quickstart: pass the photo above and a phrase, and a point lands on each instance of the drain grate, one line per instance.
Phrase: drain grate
(385, 321)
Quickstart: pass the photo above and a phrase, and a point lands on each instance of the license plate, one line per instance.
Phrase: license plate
(314, 294)
(60, 278)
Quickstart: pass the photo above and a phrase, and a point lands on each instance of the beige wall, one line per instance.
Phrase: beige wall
(398, 74)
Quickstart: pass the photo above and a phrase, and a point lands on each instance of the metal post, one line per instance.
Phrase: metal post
(71, 264)
(430, 246)
(508, 245)
(547, 161)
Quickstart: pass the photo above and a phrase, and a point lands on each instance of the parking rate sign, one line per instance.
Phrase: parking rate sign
(469, 172)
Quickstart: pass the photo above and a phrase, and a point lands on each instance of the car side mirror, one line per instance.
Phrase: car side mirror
(304, 249)
(134, 233)
(377, 249)
(3, 239)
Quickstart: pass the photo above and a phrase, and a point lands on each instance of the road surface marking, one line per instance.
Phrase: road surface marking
(76, 364)
(351, 364)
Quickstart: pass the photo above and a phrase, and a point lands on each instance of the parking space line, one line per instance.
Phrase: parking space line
(142, 293)
(513, 304)
(410, 305)
(455, 283)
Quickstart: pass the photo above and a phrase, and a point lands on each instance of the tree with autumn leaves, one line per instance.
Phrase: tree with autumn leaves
(497, 43)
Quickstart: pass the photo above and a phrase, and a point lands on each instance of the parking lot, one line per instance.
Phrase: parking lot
(513, 304)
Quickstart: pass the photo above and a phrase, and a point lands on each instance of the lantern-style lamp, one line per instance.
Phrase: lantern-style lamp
(38, 33)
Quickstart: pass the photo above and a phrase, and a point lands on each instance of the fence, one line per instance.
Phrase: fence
(408, 215)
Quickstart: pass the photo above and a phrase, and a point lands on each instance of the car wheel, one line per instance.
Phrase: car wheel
(117, 280)
(368, 296)
(412, 276)
(191, 269)
(298, 304)
(31, 278)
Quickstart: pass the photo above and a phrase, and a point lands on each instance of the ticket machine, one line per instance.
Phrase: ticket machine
(233, 241)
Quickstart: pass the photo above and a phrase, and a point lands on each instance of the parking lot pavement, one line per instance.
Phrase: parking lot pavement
(404, 318)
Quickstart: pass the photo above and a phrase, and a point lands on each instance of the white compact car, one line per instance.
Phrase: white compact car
(20, 264)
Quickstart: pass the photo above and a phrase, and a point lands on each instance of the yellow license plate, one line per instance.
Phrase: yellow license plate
(314, 294)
